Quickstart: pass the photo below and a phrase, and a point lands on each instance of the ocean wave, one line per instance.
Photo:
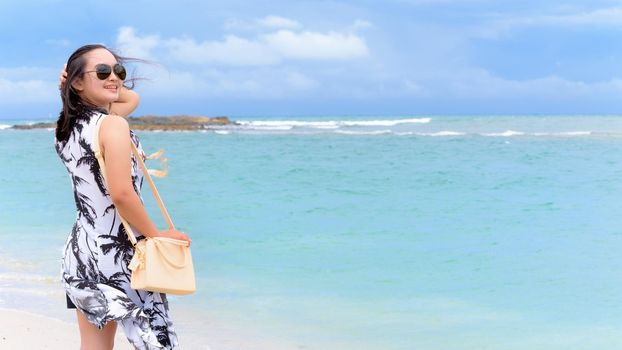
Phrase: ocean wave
(327, 127)
(330, 124)
(272, 127)
(14, 264)
(509, 133)
(25, 277)
(506, 133)
(433, 134)
(5, 126)
(443, 133)
(375, 132)
(566, 133)
(37, 291)
(385, 122)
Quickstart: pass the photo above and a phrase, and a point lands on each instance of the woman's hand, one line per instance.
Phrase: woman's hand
(63, 77)
(175, 235)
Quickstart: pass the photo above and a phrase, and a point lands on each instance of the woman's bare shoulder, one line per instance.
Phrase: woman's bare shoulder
(114, 128)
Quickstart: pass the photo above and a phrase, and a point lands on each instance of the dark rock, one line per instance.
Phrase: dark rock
(34, 126)
(151, 122)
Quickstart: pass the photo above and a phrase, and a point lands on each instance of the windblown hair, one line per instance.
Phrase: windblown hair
(74, 107)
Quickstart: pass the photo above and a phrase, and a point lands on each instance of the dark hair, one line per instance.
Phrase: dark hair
(74, 107)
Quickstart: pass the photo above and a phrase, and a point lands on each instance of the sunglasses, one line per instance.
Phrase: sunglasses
(103, 71)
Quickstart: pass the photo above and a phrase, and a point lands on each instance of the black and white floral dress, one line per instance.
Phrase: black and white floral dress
(97, 252)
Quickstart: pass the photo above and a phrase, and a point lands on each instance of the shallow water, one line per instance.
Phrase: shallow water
(370, 233)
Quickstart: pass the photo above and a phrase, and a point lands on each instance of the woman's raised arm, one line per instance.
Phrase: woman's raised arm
(126, 104)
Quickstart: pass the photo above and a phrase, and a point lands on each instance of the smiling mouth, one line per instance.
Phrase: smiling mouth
(113, 88)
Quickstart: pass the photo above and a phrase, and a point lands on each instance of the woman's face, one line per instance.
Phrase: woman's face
(91, 89)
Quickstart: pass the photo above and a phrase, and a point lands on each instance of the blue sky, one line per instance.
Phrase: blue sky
(299, 58)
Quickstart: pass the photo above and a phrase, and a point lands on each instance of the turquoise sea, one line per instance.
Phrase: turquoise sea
(362, 232)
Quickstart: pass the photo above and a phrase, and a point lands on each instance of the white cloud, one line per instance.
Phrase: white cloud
(278, 22)
(605, 17)
(270, 65)
(477, 83)
(58, 42)
(360, 24)
(261, 83)
(269, 22)
(234, 51)
(171, 83)
(27, 91)
(266, 49)
(313, 45)
(259, 67)
(300, 81)
(237, 24)
(28, 73)
(439, 2)
(130, 44)
(28, 85)
(413, 88)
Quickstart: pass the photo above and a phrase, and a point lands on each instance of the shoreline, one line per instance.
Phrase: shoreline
(33, 315)
(21, 329)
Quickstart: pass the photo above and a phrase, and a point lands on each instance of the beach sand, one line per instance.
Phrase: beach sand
(24, 330)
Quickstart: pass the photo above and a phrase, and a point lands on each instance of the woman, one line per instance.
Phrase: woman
(96, 254)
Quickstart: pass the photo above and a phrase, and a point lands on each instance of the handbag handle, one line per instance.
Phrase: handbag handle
(102, 166)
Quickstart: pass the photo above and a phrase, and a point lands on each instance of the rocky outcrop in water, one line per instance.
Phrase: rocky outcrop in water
(151, 122)
(33, 126)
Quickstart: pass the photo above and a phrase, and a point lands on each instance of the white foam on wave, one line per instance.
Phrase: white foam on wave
(222, 132)
(14, 264)
(375, 132)
(4, 126)
(273, 127)
(286, 123)
(506, 133)
(433, 134)
(32, 291)
(575, 133)
(385, 122)
(330, 124)
(25, 277)
(443, 133)
(567, 133)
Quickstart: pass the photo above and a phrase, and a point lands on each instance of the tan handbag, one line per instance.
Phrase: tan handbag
(159, 264)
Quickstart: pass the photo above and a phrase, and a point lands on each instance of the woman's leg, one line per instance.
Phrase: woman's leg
(92, 338)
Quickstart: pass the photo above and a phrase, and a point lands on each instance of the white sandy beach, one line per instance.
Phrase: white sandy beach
(24, 330)
(33, 316)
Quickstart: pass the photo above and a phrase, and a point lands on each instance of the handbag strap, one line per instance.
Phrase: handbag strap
(154, 190)
(100, 159)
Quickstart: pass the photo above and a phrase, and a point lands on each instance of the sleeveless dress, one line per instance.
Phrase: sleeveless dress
(97, 252)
